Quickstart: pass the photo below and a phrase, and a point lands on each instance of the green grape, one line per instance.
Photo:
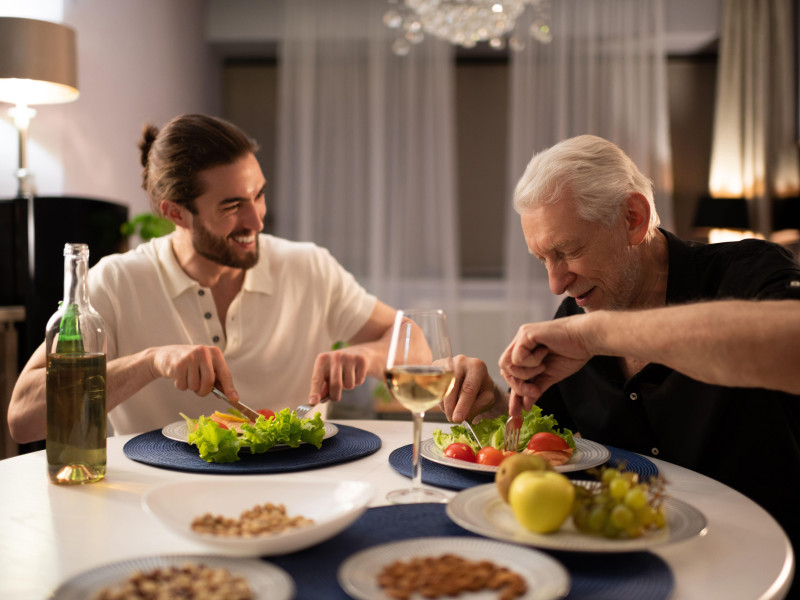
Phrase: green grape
(635, 498)
(608, 475)
(621, 516)
(610, 530)
(660, 518)
(618, 487)
(597, 518)
(647, 515)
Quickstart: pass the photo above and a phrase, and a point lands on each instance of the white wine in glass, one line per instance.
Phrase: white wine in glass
(419, 373)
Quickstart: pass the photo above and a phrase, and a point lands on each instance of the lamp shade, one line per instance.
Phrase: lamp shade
(37, 62)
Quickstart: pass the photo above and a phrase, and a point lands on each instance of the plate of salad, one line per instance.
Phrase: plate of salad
(220, 437)
(585, 454)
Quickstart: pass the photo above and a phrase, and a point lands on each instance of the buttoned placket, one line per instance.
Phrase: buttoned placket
(633, 395)
(208, 310)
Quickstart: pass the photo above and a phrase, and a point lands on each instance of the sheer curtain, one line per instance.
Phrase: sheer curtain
(604, 73)
(754, 152)
(366, 150)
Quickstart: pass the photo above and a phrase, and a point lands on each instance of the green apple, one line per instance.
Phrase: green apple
(541, 500)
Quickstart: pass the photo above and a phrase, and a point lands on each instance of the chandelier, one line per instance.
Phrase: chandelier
(466, 22)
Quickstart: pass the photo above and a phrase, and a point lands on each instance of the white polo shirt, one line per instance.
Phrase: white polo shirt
(297, 302)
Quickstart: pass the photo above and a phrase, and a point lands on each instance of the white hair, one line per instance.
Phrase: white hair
(595, 173)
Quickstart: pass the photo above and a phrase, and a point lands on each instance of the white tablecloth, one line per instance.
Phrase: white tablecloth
(50, 533)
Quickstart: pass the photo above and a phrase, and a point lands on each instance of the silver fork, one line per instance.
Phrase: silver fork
(303, 410)
(513, 425)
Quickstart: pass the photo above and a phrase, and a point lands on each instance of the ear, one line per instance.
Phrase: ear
(175, 213)
(637, 218)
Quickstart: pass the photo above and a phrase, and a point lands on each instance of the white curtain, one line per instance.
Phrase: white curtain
(366, 148)
(754, 152)
(604, 73)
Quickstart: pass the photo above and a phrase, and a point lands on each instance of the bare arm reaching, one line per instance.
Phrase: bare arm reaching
(732, 343)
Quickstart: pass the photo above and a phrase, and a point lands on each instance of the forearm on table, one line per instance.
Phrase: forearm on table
(734, 343)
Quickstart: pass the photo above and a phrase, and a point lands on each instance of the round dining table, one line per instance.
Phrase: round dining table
(52, 533)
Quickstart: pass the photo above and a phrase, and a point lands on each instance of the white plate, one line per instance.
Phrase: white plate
(586, 455)
(266, 581)
(179, 432)
(481, 510)
(545, 577)
(333, 505)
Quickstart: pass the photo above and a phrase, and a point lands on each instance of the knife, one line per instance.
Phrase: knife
(245, 410)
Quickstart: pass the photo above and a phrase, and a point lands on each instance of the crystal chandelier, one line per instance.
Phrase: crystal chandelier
(466, 22)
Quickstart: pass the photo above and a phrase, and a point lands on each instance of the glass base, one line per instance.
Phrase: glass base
(415, 496)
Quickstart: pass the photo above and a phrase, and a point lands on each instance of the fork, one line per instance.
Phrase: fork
(513, 425)
(303, 410)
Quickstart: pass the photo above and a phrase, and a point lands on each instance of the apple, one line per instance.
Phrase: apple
(541, 500)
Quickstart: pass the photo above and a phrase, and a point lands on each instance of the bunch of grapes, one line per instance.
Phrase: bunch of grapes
(619, 505)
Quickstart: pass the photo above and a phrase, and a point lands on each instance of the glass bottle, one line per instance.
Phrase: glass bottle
(76, 380)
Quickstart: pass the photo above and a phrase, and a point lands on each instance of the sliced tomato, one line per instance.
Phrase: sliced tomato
(490, 456)
(547, 442)
(221, 425)
(267, 413)
(460, 452)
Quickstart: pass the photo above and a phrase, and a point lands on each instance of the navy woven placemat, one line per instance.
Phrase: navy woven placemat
(452, 478)
(350, 443)
(628, 576)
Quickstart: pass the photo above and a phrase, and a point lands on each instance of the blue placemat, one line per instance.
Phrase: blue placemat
(350, 443)
(629, 576)
(452, 478)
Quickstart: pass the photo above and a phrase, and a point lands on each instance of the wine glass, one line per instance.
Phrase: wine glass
(419, 373)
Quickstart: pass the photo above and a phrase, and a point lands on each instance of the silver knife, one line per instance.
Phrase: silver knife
(242, 408)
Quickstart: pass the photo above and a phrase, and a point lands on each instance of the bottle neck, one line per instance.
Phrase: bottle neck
(76, 285)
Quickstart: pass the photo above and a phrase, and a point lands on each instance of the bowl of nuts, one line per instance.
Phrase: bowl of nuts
(258, 517)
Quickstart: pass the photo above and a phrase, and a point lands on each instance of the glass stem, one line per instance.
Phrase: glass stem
(416, 463)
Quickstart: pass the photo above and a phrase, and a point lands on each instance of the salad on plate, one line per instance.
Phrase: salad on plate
(539, 434)
(220, 436)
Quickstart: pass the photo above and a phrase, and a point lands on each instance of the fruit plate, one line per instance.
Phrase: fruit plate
(545, 578)
(481, 510)
(587, 454)
(179, 432)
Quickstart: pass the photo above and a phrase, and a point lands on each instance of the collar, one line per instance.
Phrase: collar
(177, 281)
(681, 275)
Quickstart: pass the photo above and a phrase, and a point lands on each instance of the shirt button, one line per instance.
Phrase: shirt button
(215, 338)
(207, 315)
(634, 396)
(201, 292)
(654, 451)
(794, 284)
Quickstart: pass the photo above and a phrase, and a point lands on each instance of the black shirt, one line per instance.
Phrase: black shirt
(746, 438)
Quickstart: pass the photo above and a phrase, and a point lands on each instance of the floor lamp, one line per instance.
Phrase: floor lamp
(37, 66)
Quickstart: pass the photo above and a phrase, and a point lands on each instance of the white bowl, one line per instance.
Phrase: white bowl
(333, 505)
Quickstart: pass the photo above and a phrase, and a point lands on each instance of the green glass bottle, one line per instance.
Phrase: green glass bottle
(76, 380)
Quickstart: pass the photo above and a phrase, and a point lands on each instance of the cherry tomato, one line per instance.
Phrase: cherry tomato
(267, 413)
(547, 442)
(460, 452)
(490, 456)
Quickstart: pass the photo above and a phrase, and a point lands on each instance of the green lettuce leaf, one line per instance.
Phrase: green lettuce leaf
(217, 444)
(491, 432)
(214, 443)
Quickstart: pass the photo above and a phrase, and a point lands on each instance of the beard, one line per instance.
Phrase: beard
(217, 249)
